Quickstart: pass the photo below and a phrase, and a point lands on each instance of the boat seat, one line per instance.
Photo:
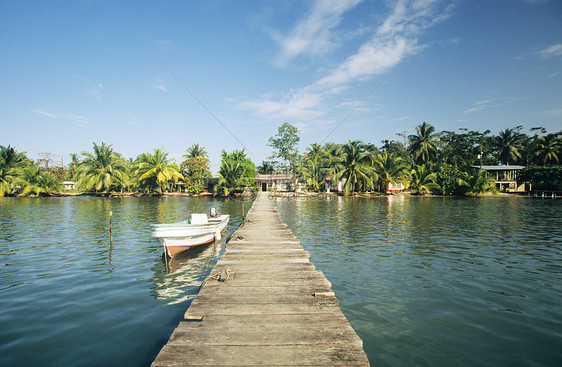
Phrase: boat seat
(199, 219)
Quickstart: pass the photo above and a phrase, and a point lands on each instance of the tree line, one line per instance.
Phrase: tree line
(426, 161)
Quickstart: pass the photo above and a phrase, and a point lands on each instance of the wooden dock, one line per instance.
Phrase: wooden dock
(275, 309)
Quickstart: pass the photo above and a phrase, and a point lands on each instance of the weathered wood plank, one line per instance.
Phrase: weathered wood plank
(200, 308)
(263, 355)
(275, 309)
(223, 332)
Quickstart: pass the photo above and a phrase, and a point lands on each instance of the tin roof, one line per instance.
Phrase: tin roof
(500, 168)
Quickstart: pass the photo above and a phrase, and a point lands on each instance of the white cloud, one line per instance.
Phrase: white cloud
(315, 34)
(161, 87)
(301, 105)
(373, 58)
(552, 51)
(479, 105)
(395, 39)
(159, 84)
(78, 119)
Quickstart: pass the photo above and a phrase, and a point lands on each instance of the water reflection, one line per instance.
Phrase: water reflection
(185, 273)
(441, 281)
(95, 299)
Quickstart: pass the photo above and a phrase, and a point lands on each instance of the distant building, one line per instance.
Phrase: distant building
(69, 185)
(507, 177)
(395, 187)
(278, 181)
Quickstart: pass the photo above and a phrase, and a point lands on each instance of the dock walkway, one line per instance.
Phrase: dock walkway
(275, 309)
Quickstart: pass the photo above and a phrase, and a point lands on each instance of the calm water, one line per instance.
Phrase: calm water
(424, 281)
(442, 281)
(68, 299)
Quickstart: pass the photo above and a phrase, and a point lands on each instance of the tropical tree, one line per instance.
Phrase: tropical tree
(313, 168)
(237, 172)
(27, 180)
(100, 169)
(195, 169)
(158, 168)
(450, 180)
(548, 149)
(284, 144)
(422, 179)
(356, 168)
(332, 158)
(395, 147)
(266, 167)
(423, 146)
(477, 182)
(72, 166)
(33, 182)
(390, 168)
(465, 148)
(10, 161)
(196, 151)
(508, 144)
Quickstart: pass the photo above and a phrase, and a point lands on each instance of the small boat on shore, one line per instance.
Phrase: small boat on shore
(198, 230)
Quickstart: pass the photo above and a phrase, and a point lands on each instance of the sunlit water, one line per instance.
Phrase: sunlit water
(442, 281)
(67, 298)
(424, 281)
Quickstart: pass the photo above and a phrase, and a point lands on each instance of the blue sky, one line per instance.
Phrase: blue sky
(77, 72)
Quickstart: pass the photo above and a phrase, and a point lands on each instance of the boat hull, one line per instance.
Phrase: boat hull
(182, 236)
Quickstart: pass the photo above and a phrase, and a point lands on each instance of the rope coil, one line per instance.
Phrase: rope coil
(223, 275)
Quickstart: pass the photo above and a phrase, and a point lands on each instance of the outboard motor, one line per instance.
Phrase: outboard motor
(214, 213)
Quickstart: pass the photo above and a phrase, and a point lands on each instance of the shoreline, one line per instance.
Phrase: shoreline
(297, 195)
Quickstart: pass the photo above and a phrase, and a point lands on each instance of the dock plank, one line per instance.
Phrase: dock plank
(275, 309)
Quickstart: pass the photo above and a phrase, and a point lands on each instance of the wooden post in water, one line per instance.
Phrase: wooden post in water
(111, 228)
(242, 212)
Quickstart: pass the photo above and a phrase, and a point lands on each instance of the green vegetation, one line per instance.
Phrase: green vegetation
(426, 161)
(155, 169)
(237, 172)
(100, 170)
(195, 169)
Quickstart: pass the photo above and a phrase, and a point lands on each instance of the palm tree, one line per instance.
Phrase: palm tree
(313, 173)
(237, 171)
(195, 168)
(98, 171)
(10, 161)
(548, 149)
(390, 168)
(423, 146)
(314, 151)
(422, 179)
(266, 167)
(332, 158)
(27, 179)
(231, 177)
(313, 169)
(72, 166)
(195, 151)
(35, 183)
(356, 168)
(158, 167)
(477, 182)
(508, 145)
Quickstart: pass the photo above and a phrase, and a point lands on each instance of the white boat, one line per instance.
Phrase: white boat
(199, 230)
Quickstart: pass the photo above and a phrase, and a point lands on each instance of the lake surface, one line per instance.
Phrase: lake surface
(67, 298)
(424, 281)
(442, 281)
